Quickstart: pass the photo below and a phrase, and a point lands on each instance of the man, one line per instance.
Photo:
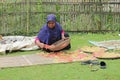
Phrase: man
(50, 33)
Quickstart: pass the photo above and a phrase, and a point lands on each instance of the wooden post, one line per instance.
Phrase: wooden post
(100, 22)
(28, 8)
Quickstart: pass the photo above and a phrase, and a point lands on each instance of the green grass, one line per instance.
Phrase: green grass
(81, 39)
(69, 71)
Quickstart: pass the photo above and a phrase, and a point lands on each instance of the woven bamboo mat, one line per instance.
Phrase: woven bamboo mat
(24, 60)
(43, 58)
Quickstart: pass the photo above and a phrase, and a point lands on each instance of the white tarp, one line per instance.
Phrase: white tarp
(13, 43)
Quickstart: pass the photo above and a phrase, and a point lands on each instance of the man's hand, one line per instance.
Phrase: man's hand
(49, 46)
(38, 43)
(46, 46)
(41, 45)
(63, 37)
(52, 47)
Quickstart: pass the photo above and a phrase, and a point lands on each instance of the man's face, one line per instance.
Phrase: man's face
(51, 24)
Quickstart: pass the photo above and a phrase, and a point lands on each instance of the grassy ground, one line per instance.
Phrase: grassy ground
(69, 71)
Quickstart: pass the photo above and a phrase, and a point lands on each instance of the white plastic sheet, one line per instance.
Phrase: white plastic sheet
(14, 43)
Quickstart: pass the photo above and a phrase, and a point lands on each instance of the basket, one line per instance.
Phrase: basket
(61, 44)
(107, 55)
